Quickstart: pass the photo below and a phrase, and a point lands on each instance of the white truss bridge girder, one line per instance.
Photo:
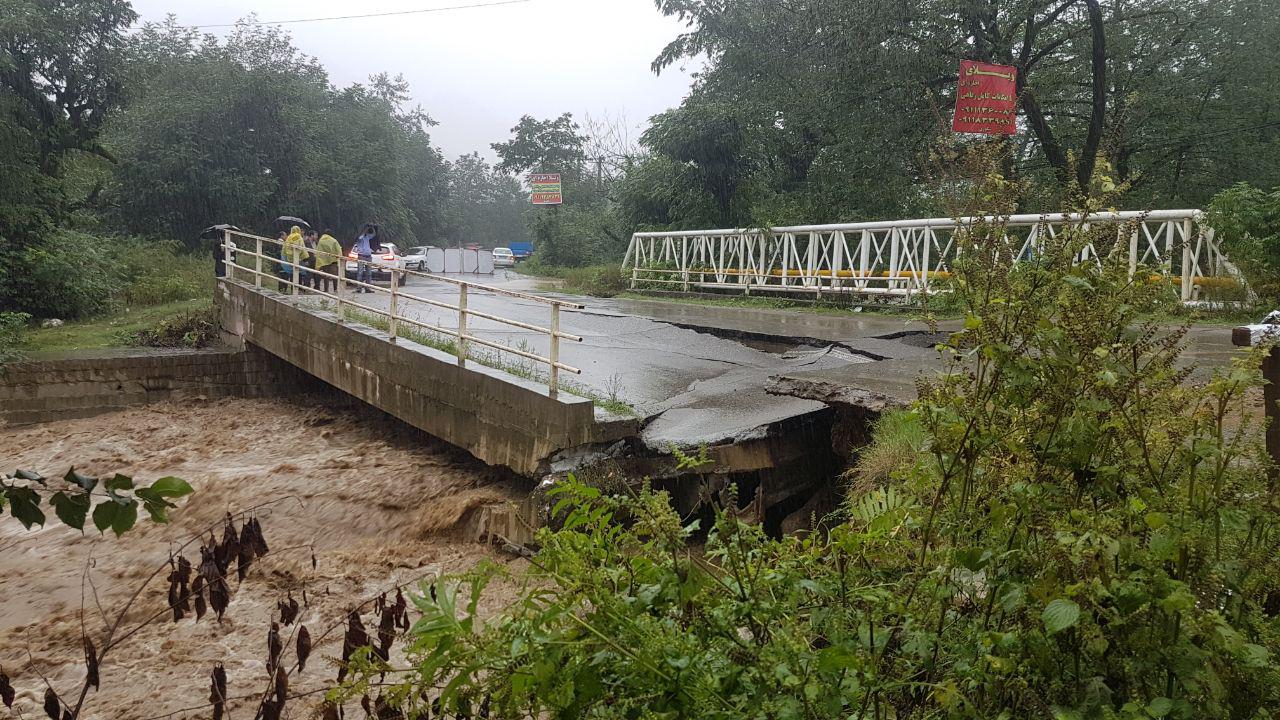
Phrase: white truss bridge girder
(902, 257)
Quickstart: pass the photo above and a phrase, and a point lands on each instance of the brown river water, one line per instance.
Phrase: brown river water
(379, 503)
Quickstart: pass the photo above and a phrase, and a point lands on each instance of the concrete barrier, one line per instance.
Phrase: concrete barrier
(498, 417)
(87, 384)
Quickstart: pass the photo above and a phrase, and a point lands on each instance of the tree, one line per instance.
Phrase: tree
(249, 129)
(549, 146)
(60, 77)
(488, 204)
(60, 68)
(853, 98)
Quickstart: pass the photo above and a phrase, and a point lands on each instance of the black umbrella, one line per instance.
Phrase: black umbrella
(215, 231)
(290, 220)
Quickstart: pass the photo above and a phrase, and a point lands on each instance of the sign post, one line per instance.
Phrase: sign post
(987, 99)
(546, 189)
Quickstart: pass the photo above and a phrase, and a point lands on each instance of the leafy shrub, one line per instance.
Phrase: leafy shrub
(1247, 222)
(598, 281)
(72, 274)
(13, 335)
(67, 275)
(595, 280)
(192, 330)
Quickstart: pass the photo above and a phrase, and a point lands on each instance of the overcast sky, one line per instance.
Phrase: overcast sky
(476, 71)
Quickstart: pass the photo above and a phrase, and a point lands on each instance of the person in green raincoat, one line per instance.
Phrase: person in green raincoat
(328, 257)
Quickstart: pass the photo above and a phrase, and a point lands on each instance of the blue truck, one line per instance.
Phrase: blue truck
(521, 250)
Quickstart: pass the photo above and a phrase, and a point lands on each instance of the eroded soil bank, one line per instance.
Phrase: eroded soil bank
(379, 504)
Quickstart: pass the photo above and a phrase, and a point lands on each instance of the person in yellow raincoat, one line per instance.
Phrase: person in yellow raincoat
(328, 255)
(296, 252)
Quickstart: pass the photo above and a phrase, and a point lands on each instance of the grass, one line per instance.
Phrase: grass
(109, 330)
(520, 367)
(593, 280)
(896, 442)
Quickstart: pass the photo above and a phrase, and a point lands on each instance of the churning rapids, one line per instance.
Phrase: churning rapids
(379, 503)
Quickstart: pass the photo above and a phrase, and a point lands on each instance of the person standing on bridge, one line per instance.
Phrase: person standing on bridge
(296, 253)
(364, 257)
(328, 255)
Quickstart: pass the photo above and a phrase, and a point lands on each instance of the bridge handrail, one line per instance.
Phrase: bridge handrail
(904, 255)
(463, 338)
(942, 223)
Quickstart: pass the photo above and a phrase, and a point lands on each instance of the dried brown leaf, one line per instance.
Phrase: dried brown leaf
(6, 690)
(386, 634)
(269, 710)
(52, 707)
(355, 638)
(304, 647)
(229, 548)
(91, 664)
(329, 711)
(282, 687)
(197, 589)
(274, 646)
(218, 690)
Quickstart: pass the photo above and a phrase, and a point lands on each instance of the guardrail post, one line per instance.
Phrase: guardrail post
(226, 254)
(554, 385)
(342, 290)
(257, 263)
(462, 325)
(1188, 262)
(1133, 249)
(394, 296)
(293, 264)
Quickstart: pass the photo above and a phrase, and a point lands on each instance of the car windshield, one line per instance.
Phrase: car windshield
(501, 251)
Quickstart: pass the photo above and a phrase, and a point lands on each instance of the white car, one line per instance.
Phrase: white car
(385, 261)
(415, 258)
(503, 257)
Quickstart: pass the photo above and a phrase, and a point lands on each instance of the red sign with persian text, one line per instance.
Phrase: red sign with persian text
(987, 99)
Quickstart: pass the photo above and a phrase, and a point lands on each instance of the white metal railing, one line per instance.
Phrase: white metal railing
(394, 313)
(901, 257)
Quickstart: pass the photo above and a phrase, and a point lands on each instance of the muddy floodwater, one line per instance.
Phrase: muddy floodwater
(376, 502)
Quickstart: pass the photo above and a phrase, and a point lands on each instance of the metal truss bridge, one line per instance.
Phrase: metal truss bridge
(902, 257)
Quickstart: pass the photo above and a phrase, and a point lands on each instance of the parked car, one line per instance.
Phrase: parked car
(415, 258)
(521, 250)
(385, 261)
(503, 257)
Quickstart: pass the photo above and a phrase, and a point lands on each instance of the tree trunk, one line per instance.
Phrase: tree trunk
(1098, 62)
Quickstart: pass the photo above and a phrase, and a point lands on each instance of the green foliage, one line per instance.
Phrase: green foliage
(594, 280)
(72, 499)
(14, 328)
(68, 274)
(834, 112)
(544, 146)
(190, 330)
(897, 441)
(1247, 222)
(247, 129)
(71, 274)
(1080, 534)
(488, 204)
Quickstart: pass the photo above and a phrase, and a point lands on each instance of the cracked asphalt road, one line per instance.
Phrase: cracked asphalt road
(694, 387)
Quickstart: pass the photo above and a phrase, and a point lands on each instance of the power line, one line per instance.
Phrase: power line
(363, 15)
